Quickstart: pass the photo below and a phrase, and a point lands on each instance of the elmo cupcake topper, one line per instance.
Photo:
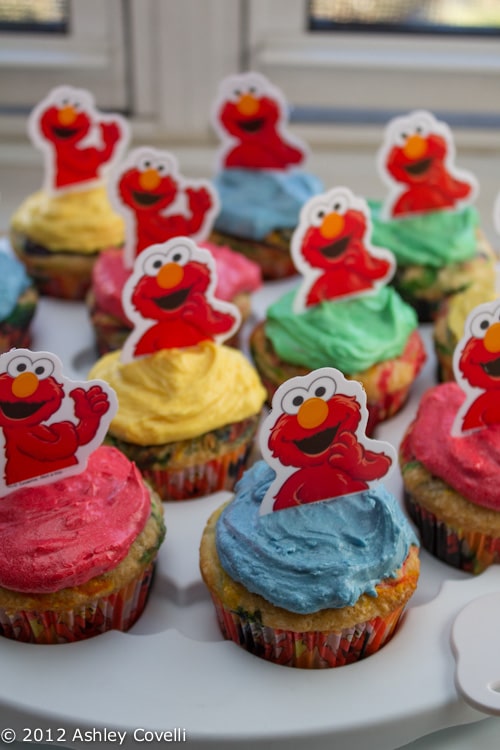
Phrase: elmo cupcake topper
(314, 439)
(49, 424)
(158, 203)
(169, 298)
(416, 161)
(250, 116)
(78, 142)
(331, 249)
(476, 364)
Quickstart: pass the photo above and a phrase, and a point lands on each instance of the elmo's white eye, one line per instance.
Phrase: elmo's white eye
(162, 167)
(41, 367)
(339, 204)
(480, 324)
(153, 263)
(323, 388)
(293, 400)
(317, 213)
(145, 163)
(179, 254)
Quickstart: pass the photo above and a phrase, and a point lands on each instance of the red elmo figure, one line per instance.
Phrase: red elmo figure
(148, 189)
(65, 127)
(173, 292)
(28, 397)
(253, 119)
(320, 440)
(337, 247)
(420, 165)
(479, 364)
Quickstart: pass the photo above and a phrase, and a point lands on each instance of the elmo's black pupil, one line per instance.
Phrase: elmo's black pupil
(297, 400)
(484, 324)
(39, 370)
(177, 257)
(320, 392)
(21, 368)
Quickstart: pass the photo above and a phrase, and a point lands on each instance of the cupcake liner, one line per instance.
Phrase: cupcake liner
(274, 260)
(117, 611)
(307, 650)
(201, 479)
(469, 551)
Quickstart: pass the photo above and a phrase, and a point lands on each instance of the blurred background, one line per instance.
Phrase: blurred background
(345, 67)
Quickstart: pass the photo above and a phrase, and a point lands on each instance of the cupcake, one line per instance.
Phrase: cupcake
(79, 528)
(428, 220)
(188, 405)
(343, 314)
(304, 574)
(259, 181)
(450, 453)
(147, 191)
(59, 231)
(18, 302)
(449, 324)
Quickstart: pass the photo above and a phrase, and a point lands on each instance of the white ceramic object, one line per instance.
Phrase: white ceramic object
(173, 670)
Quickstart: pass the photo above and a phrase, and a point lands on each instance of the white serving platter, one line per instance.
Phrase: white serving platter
(173, 670)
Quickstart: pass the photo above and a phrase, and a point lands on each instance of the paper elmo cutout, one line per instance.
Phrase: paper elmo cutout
(476, 364)
(249, 117)
(157, 203)
(416, 161)
(169, 298)
(49, 424)
(314, 439)
(331, 248)
(78, 142)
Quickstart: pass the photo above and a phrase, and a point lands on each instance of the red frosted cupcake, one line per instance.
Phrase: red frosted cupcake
(79, 528)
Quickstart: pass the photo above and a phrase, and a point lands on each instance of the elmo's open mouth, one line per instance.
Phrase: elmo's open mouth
(318, 442)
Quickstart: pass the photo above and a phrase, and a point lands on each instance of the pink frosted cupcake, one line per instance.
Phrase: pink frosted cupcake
(79, 528)
(237, 278)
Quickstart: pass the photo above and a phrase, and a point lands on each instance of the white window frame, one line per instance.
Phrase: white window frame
(92, 54)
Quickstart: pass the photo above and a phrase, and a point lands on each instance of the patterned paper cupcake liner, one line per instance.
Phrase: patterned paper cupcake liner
(118, 611)
(469, 551)
(308, 650)
(274, 259)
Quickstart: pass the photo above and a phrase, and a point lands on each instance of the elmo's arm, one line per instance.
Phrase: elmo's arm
(351, 457)
(48, 443)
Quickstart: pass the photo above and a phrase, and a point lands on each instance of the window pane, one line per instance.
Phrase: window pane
(427, 16)
(44, 16)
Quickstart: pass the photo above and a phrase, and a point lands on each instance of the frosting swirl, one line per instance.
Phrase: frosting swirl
(177, 394)
(436, 238)
(311, 557)
(82, 221)
(13, 282)
(350, 334)
(468, 463)
(63, 534)
(255, 202)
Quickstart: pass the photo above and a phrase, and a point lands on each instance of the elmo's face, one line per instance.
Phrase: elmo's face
(66, 123)
(312, 422)
(480, 358)
(29, 394)
(148, 186)
(249, 112)
(415, 157)
(171, 280)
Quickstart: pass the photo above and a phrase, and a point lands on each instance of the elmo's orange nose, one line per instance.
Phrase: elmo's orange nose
(332, 226)
(492, 338)
(415, 147)
(312, 413)
(247, 105)
(149, 179)
(170, 275)
(24, 385)
(67, 115)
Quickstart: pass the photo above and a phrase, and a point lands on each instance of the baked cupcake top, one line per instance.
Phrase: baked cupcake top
(13, 282)
(259, 179)
(353, 333)
(177, 394)
(461, 305)
(62, 534)
(82, 221)
(310, 526)
(468, 463)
